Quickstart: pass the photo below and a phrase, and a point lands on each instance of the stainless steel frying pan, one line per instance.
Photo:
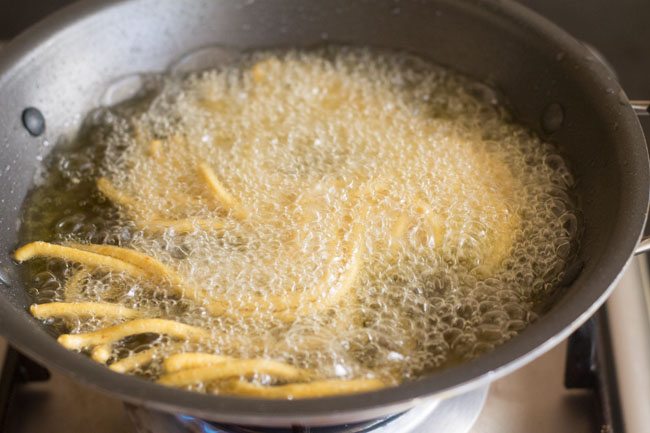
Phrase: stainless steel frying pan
(552, 83)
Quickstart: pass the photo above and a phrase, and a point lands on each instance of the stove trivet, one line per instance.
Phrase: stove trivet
(454, 415)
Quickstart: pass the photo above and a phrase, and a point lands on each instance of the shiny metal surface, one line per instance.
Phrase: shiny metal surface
(642, 108)
(63, 66)
(534, 399)
(643, 246)
(629, 317)
(532, 396)
(455, 415)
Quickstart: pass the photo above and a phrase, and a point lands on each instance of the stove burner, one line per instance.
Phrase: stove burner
(454, 415)
(360, 427)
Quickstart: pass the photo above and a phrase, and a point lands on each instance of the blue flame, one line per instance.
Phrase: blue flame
(199, 425)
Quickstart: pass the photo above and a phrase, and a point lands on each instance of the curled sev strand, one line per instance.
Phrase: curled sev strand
(230, 369)
(326, 296)
(398, 230)
(44, 249)
(102, 353)
(133, 362)
(182, 225)
(434, 223)
(82, 309)
(115, 195)
(72, 288)
(154, 269)
(144, 357)
(148, 264)
(184, 361)
(220, 193)
(114, 333)
(112, 258)
(154, 223)
(349, 277)
(319, 388)
(261, 70)
(155, 149)
(288, 307)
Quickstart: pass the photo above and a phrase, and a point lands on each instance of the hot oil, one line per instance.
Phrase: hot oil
(413, 225)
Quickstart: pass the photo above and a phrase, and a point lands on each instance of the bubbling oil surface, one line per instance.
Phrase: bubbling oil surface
(462, 221)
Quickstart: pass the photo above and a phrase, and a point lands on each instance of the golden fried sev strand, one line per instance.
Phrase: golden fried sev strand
(82, 309)
(319, 388)
(139, 134)
(184, 361)
(101, 353)
(434, 222)
(220, 193)
(132, 362)
(325, 296)
(398, 230)
(143, 358)
(114, 333)
(183, 225)
(155, 224)
(259, 71)
(72, 288)
(234, 368)
(44, 249)
(501, 242)
(155, 149)
(152, 267)
(147, 263)
(349, 277)
(288, 307)
(115, 195)
(211, 104)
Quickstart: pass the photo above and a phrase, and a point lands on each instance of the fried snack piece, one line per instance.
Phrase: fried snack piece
(261, 70)
(155, 149)
(182, 225)
(322, 297)
(115, 259)
(132, 362)
(399, 229)
(288, 307)
(435, 223)
(143, 358)
(319, 388)
(184, 361)
(152, 223)
(154, 268)
(112, 258)
(82, 309)
(220, 193)
(234, 368)
(102, 353)
(115, 195)
(90, 259)
(72, 289)
(114, 333)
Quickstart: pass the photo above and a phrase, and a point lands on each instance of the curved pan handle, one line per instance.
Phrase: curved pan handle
(643, 247)
(641, 108)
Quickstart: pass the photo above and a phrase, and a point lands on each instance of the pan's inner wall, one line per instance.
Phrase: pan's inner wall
(65, 73)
